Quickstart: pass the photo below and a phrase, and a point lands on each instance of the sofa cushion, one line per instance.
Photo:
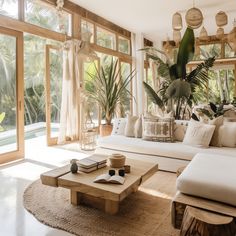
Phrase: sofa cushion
(180, 128)
(138, 128)
(129, 128)
(228, 134)
(210, 176)
(119, 126)
(198, 134)
(176, 150)
(218, 122)
(158, 129)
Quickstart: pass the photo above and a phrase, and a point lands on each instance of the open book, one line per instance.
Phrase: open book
(106, 178)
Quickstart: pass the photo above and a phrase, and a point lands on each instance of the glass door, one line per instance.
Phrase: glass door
(53, 89)
(11, 95)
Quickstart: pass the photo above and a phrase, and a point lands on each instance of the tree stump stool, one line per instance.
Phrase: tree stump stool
(198, 222)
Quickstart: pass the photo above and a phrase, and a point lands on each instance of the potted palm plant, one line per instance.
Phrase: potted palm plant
(107, 87)
(178, 89)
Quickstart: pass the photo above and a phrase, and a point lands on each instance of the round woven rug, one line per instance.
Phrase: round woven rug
(140, 214)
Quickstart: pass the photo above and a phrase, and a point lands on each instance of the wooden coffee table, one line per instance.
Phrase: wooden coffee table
(104, 196)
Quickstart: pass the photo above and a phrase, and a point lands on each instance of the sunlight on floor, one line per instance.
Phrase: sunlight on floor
(155, 193)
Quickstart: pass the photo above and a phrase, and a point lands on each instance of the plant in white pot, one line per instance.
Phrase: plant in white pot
(108, 88)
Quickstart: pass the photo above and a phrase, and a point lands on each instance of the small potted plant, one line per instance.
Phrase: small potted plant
(108, 88)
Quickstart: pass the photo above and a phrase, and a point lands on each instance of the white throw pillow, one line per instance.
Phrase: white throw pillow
(119, 126)
(198, 134)
(227, 134)
(129, 128)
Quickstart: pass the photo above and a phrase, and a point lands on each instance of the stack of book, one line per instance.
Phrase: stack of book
(92, 163)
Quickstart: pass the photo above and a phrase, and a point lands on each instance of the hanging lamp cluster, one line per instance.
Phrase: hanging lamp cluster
(194, 19)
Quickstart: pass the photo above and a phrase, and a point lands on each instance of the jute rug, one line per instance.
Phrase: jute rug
(140, 214)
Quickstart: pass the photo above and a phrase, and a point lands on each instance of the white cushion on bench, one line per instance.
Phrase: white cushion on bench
(210, 176)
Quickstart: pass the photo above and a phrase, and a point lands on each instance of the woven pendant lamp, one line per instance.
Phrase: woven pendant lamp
(203, 36)
(168, 47)
(220, 33)
(176, 36)
(221, 19)
(194, 18)
(177, 21)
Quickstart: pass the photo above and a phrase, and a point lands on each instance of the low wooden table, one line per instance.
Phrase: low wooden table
(103, 196)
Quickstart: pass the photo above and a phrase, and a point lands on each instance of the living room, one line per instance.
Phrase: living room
(141, 94)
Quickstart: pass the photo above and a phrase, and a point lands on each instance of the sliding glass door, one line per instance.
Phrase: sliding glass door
(11, 95)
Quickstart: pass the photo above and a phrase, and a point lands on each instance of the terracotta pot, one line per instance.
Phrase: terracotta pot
(105, 130)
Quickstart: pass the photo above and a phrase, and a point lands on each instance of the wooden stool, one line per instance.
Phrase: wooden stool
(180, 170)
(198, 222)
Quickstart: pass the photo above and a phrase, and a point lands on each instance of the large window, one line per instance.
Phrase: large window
(41, 14)
(9, 8)
(106, 39)
(34, 61)
(123, 45)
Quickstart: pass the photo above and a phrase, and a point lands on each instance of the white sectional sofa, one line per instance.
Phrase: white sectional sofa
(170, 156)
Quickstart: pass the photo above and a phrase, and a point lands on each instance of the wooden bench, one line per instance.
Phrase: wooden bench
(51, 177)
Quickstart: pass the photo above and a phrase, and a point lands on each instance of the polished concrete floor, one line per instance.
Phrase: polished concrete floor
(14, 178)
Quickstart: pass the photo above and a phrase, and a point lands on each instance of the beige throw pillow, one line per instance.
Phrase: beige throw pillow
(180, 128)
(227, 133)
(198, 134)
(218, 122)
(138, 128)
(129, 128)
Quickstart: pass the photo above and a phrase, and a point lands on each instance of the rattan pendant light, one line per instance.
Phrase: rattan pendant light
(176, 36)
(177, 22)
(221, 19)
(220, 33)
(203, 36)
(194, 18)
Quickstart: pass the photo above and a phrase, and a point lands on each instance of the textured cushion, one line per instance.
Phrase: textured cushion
(158, 129)
(129, 128)
(119, 126)
(180, 128)
(210, 176)
(198, 134)
(215, 140)
(138, 128)
(227, 134)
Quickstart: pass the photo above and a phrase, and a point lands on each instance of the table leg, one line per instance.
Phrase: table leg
(74, 197)
(111, 207)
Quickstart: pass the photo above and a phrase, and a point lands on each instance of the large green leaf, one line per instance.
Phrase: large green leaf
(152, 95)
(186, 52)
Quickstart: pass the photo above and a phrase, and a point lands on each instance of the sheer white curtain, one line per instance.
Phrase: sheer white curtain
(70, 106)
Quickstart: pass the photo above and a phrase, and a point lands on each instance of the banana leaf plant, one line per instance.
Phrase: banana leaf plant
(179, 88)
(108, 88)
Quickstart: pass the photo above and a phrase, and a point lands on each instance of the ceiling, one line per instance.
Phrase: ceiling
(153, 18)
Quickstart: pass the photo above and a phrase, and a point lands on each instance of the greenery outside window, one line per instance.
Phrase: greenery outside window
(46, 16)
(106, 39)
(229, 52)
(9, 8)
(123, 45)
(210, 50)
